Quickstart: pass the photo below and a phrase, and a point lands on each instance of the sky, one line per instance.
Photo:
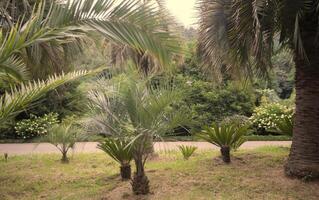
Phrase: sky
(183, 10)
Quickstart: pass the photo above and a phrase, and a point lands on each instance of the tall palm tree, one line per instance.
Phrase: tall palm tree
(128, 106)
(240, 35)
(131, 23)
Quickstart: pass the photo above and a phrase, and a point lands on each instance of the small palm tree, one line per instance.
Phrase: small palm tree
(64, 136)
(227, 137)
(130, 106)
(120, 150)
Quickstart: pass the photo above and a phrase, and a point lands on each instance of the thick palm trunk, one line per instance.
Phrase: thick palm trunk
(125, 172)
(225, 151)
(140, 182)
(303, 160)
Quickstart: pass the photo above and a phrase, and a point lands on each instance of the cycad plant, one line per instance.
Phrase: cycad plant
(225, 136)
(64, 136)
(120, 150)
(129, 105)
(187, 151)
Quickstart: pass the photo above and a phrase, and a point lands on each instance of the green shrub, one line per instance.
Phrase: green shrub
(266, 116)
(285, 126)
(207, 103)
(187, 151)
(236, 120)
(35, 126)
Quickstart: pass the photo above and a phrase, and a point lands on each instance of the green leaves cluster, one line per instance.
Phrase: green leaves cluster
(207, 103)
(120, 149)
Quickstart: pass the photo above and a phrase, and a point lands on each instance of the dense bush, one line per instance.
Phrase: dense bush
(35, 126)
(208, 103)
(266, 116)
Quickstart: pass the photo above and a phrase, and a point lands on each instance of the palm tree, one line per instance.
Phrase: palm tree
(240, 35)
(135, 25)
(128, 106)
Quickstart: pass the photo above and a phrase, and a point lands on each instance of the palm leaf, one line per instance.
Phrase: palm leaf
(15, 101)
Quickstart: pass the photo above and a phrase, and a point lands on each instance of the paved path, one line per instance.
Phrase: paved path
(87, 147)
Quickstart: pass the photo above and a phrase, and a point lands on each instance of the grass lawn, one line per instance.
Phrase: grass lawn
(256, 174)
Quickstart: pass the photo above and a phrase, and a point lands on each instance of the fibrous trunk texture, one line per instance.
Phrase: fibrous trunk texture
(225, 151)
(125, 172)
(140, 182)
(303, 161)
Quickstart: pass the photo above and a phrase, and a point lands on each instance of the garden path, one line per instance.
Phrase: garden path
(87, 147)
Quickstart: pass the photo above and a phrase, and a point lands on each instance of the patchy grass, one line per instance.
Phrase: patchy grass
(256, 174)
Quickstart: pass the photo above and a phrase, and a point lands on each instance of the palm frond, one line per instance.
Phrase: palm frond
(16, 100)
(239, 35)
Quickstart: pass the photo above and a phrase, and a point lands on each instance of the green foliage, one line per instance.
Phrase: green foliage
(119, 149)
(128, 105)
(285, 126)
(56, 31)
(207, 103)
(264, 96)
(35, 126)
(236, 120)
(68, 99)
(267, 115)
(187, 151)
(224, 135)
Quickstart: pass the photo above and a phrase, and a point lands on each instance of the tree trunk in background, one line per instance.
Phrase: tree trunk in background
(303, 161)
(140, 182)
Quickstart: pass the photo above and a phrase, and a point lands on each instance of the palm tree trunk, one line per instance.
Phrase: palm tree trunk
(140, 182)
(64, 158)
(126, 172)
(225, 151)
(303, 160)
